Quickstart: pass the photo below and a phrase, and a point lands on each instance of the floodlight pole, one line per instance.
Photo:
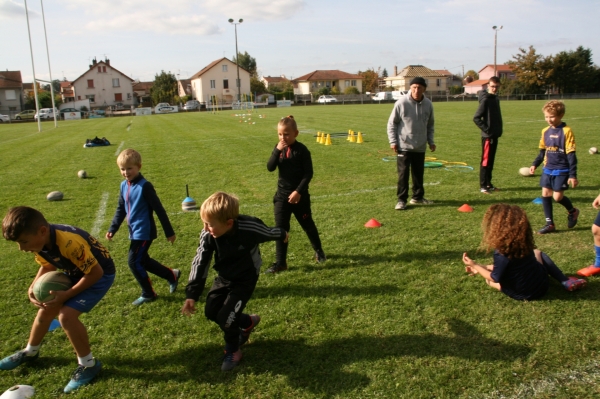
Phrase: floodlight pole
(237, 57)
(35, 94)
(496, 29)
(49, 69)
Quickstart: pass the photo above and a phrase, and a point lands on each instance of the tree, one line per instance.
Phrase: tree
(44, 100)
(351, 90)
(55, 86)
(474, 75)
(370, 80)
(247, 62)
(573, 71)
(531, 70)
(164, 88)
(257, 86)
(384, 74)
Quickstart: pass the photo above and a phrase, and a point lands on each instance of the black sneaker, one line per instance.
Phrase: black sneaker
(245, 333)
(572, 218)
(276, 268)
(231, 360)
(320, 256)
(549, 228)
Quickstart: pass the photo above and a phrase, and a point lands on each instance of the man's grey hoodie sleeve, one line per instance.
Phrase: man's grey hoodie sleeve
(394, 124)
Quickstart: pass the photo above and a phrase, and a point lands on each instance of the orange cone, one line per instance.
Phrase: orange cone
(465, 208)
(373, 223)
(359, 139)
(328, 140)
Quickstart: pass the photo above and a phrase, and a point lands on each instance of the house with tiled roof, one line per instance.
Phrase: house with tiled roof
(11, 92)
(271, 82)
(103, 85)
(184, 87)
(66, 92)
(485, 73)
(436, 82)
(313, 81)
(218, 79)
(141, 91)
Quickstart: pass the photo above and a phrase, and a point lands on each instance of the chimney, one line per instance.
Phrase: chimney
(107, 61)
(395, 70)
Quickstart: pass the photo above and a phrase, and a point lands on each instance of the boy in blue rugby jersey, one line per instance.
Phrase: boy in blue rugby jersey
(557, 152)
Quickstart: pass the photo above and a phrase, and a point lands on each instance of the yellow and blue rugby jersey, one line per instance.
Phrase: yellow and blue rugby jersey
(74, 251)
(558, 143)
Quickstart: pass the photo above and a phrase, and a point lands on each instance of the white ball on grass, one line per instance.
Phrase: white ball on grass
(525, 172)
(593, 150)
(55, 196)
(82, 174)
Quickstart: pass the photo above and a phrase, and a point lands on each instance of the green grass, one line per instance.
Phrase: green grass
(390, 315)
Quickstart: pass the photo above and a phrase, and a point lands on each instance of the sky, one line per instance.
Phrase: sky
(287, 37)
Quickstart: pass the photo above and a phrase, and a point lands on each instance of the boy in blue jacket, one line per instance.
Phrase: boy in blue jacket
(137, 202)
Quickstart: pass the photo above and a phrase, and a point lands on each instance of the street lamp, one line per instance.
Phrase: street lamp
(237, 56)
(496, 29)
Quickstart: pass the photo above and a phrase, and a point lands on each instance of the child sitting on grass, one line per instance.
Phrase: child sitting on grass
(519, 270)
(233, 241)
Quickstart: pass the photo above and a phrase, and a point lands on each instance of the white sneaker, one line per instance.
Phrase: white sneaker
(400, 206)
(421, 201)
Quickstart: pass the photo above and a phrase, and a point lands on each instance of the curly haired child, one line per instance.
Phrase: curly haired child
(519, 270)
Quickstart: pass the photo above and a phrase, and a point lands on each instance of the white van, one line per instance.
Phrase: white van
(397, 94)
(46, 113)
(383, 95)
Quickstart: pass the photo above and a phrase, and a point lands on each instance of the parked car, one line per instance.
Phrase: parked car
(327, 99)
(4, 118)
(66, 110)
(24, 115)
(191, 105)
(117, 107)
(46, 113)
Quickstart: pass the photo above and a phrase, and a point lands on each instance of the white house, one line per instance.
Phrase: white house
(103, 85)
(218, 79)
(437, 83)
(313, 81)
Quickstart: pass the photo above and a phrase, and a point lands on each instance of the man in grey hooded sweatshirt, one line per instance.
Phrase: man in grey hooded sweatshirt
(410, 130)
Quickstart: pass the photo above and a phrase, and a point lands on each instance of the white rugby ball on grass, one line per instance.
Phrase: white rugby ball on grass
(18, 392)
(525, 172)
(55, 196)
(593, 150)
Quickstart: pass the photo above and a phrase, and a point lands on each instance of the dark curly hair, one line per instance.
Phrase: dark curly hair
(507, 230)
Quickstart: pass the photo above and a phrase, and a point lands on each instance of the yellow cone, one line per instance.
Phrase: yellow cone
(322, 139)
(359, 139)
(318, 137)
(328, 141)
(352, 137)
(349, 133)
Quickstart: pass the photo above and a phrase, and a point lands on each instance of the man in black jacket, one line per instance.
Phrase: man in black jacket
(489, 119)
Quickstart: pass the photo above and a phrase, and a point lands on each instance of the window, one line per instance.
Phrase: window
(10, 95)
(118, 97)
(99, 69)
(347, 83)
(225, 83)
(90, 83)
(353, 83)
(116, 83)
(129, 96)
(91, 97)
(224, 68)
(438, 82)
(213, 84)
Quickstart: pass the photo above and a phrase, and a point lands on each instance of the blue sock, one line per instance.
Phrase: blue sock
(597, 262)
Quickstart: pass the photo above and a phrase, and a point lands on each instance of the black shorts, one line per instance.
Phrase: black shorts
(555, 183)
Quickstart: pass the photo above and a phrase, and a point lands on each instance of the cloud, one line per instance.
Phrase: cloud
(10, 9)
(178, 17)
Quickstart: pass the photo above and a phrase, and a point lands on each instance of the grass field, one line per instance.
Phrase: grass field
(391, 314)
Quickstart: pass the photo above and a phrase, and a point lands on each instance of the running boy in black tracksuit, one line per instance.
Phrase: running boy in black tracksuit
(233, 240)
(295, 172)
(488, 118)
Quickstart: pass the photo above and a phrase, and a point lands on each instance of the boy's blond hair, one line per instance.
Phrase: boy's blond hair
(220, 206)
(128, 157)
(554, 107)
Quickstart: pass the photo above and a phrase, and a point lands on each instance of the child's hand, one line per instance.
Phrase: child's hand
(189, 307)
(33, 300)
(109, 236)
(57, 301)
(573, 182)
(294, 197)
(531, 169)
(281, 145)
(596, 203)
(287, 237)
(171, 239)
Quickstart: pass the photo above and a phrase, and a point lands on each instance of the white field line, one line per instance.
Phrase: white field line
(584, 375)
(100, 215)
(119, 149)
(270, 203)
